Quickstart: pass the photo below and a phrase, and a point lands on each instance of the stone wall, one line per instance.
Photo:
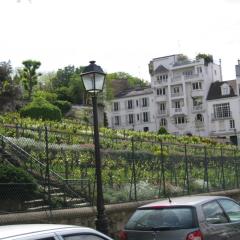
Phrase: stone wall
(118, 214)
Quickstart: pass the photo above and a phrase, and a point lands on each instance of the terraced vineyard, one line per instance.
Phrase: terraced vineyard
(135, 165)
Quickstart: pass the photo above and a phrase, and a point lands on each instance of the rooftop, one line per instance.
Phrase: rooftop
(215, 90)
(131, 92)
(181, 201)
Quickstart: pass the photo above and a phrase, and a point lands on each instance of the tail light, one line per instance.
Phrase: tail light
(122, 235)
(197, 235)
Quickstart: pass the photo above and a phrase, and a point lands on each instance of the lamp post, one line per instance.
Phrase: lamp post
(93, 79)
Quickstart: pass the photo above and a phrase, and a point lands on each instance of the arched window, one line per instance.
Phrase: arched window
(199, 118)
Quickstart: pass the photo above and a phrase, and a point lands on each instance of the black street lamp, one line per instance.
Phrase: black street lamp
(93, 79)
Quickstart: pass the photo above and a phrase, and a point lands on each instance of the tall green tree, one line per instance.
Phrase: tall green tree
(29, 75)
(10, 89)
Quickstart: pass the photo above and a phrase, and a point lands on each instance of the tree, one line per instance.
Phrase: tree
(5, 71)
(208, 58)
(68, 84)
(29, 75)
(10, 89)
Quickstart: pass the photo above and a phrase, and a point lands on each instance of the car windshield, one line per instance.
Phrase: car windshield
(162, 219)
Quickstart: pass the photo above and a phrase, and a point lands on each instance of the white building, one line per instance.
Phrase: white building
(185, 97)
(180, 89)
(133, 109)
(223, 103)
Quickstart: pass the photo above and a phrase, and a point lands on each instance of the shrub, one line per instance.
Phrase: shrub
(50, 97)
(15, 183)
(162, 130)
(41, 108)
(64, 106)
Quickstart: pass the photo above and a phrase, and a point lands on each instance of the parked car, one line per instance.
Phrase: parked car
(49, 232)
(185, 218)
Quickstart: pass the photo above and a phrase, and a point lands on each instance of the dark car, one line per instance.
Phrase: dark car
(185, 218)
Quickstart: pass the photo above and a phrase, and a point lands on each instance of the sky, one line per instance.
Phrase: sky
(120, 35)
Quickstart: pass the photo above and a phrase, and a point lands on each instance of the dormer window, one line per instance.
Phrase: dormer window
(225, 89)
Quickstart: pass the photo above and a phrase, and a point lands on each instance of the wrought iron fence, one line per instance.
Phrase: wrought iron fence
(132, 168)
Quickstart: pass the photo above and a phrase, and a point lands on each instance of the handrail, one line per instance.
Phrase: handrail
(29, 157)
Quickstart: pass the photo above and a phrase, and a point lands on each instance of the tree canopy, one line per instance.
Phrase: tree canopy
(208, 58)
(29, 75)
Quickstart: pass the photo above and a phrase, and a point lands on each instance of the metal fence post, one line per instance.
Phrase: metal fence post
(186, 169)
(134, 170)
(205, 169)
(163, 170)
(222, 169)
(47, 167)
(236, 167)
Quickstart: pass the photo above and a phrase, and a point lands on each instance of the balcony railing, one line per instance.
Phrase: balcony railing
(176, 78)
(162, 112)
(197, 108)
(178, 94)
(177, 110)
(193, 77)
(222, 116)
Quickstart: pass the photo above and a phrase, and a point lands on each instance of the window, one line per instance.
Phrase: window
(161, 91)
(188, 73)
(129, 104)
(116, 106)
(162, 107)
(225, 89)
(145, 116)
(169, 217)
(213, 213)
(47, 238)
(176, 90)
(138, 118)
(162, 78)
(232, 209)
(199, 70)
(144, 102)
(137, 103)
(177, 104)
(232, 123)
(83, 237)
(117, 120)
(222, 110)
(130, 118)
(163, 122)
(197, 101)
(180, 120)
(199, 118)
(197, 86)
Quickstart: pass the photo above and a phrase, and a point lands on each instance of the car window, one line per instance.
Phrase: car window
(83, 237)
(213, 213)
(231, 208)
(46, 238)
(170, 218)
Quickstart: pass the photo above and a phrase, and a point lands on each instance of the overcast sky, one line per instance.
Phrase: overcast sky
(121, 35)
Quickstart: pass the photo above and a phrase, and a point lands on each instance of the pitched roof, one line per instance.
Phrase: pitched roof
(134, 92)
(160, 69)
(215, 90)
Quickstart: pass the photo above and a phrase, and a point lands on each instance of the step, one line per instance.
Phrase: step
(86, 204)
(45, 207)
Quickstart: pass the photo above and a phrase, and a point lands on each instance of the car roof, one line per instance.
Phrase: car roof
(21, 229)
(183, 201)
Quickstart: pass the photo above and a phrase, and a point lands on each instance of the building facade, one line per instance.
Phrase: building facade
(185, 97)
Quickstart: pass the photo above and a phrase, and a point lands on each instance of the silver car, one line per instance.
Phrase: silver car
(185, 218)
(49, 232)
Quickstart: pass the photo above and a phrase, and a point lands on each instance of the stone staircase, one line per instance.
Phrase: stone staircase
(60, 193)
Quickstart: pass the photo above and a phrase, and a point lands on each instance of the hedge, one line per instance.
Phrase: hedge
(40, 108)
